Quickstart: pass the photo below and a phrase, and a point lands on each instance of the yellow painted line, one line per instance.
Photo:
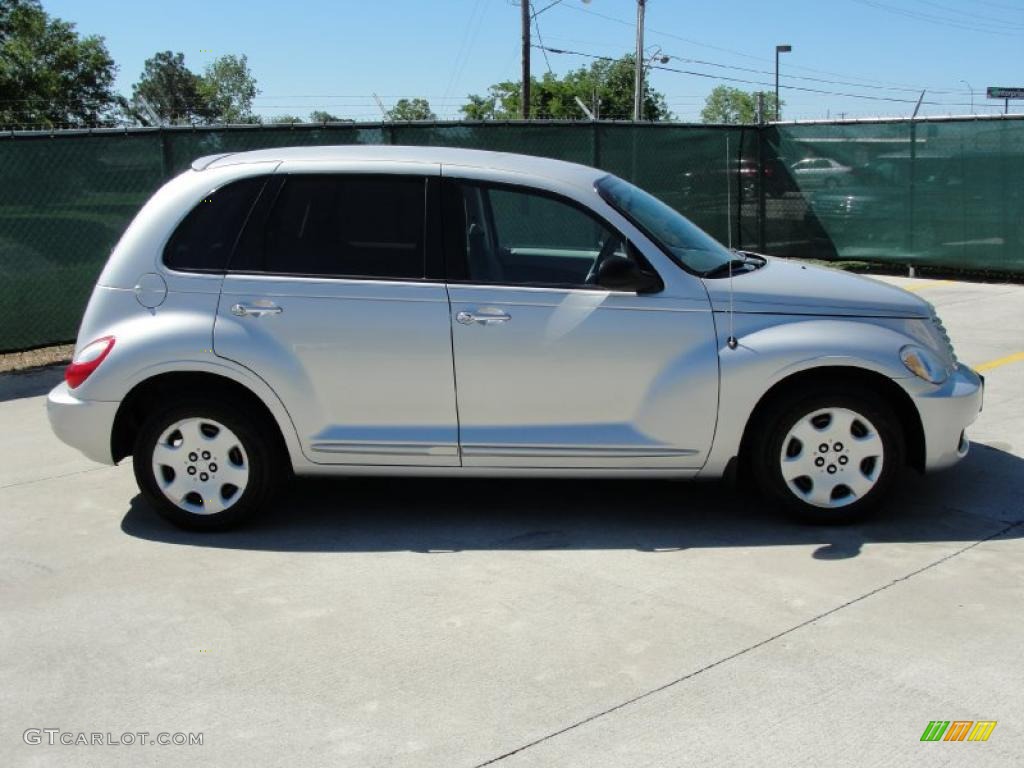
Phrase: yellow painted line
(930, 283)
(1016, 357)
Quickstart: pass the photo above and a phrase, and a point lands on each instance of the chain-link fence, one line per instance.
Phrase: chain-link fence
(928, 192)
(935, 193)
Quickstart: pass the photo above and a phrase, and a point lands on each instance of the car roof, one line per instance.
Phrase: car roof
(558, 170)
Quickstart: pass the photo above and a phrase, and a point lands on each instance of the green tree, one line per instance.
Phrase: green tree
(411, 109)
(227, 89)
(605, 87)
(286, 119)
(480, 107)
(732, 105)
(172, 91)
(320, 116)
(48, 74)
(176, 94)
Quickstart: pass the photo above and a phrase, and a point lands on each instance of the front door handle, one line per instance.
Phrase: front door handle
(257, 310)
(468, 318)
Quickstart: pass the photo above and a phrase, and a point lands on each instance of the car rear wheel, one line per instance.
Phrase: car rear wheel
(205, 466)
(829, 458)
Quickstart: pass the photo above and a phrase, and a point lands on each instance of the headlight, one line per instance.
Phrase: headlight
(923, 364)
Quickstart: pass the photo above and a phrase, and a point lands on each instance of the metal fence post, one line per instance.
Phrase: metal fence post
(741, 199)
(165, 155)
(762, 206)
(1004, 196)
(911, 184)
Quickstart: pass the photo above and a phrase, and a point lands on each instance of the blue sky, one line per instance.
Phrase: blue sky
(334, 54)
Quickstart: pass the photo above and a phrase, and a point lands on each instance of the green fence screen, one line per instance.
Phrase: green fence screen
(944, 193)
(948, 194)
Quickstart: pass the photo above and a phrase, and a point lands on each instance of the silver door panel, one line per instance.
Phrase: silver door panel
(365, 366)
(584, 378)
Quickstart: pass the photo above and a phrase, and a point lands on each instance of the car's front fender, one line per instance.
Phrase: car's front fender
(772, 348)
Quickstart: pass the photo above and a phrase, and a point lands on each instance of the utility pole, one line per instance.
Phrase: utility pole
(638, 75)
(524, 109)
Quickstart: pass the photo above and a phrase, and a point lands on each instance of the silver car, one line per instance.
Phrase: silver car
(398, 310)
(814, 172)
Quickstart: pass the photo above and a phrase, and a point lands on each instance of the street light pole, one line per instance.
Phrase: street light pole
(524, 108)
(779, 49)
(972, 94)
(638, 72)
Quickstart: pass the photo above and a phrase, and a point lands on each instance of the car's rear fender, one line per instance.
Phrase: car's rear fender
(176, 337)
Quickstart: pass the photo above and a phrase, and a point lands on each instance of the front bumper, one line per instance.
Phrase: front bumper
(946, 412)
(83, 424)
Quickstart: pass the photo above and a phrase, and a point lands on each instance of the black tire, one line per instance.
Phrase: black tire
(263, 454)
(773, 425)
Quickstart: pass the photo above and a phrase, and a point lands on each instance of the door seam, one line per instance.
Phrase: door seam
(455, 376)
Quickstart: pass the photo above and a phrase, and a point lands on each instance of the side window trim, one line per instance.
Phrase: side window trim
(433, 235)
(260, 215)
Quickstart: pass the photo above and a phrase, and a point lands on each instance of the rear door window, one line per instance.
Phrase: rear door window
(341, 226)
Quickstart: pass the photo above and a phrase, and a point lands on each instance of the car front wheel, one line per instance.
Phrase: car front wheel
(204, 466)
(829, 458)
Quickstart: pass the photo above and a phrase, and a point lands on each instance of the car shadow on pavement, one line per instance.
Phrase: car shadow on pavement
(31, 383)
(441, 515)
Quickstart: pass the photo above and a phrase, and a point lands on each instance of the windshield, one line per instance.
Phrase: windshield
(687, 243)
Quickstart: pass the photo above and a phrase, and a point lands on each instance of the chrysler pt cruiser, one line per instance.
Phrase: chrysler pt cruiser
(401, 310)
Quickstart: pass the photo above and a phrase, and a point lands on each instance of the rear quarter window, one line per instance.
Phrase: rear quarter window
(204, 240)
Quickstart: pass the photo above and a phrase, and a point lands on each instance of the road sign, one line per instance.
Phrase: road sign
(1005, 93)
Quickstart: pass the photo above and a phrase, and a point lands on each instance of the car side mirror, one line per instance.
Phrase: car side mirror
(618, 273)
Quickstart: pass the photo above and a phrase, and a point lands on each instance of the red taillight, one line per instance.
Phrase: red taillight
(88, 360)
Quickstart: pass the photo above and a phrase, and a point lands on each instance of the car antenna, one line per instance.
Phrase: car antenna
(731, 342)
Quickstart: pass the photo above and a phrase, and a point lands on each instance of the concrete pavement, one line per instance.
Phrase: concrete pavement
(520, 623)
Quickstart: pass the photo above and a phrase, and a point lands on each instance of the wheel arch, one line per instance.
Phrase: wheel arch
(847, 376)
(165, 387)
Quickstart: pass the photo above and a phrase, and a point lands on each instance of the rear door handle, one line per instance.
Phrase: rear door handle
(469, 318)
(257, 310)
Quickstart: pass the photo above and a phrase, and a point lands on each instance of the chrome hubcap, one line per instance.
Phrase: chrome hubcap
(200, 465)
(832, 457)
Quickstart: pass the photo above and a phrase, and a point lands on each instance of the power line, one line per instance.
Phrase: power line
(804, 89)
(907, 89)
(1004, 6)
(932, 18)
(663, 33)
(466, 46)
(970, 14)
(536, 25)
